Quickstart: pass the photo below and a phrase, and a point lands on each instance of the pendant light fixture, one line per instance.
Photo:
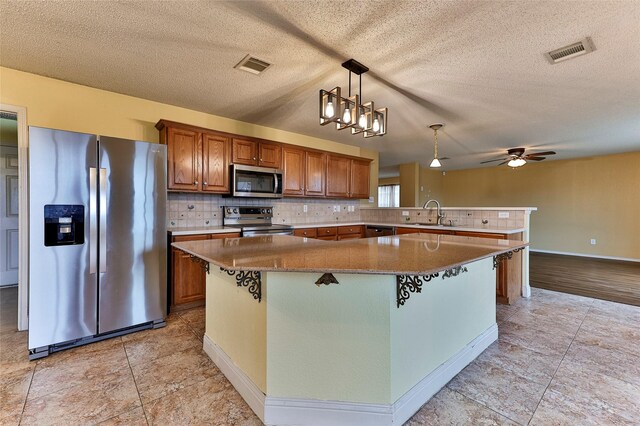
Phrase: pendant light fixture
(349, 112)
(435, 163)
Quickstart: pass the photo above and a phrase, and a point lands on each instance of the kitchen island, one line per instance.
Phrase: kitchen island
(347, 332)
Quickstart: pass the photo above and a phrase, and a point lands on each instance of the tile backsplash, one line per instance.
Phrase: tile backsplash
(196, 210)
(459, 217)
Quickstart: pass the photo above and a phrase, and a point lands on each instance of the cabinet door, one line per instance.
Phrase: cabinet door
(402, 231)
(293, 178)
(359, 179)
(329, 238)
(245, 151)
(327, 231)
(437, 231)
(349, 237)
(183, 157)
(338, 176)
(189, 279)
(481, 235)
(315, 169)
(270, 155)
(351, 230)
(215, 163)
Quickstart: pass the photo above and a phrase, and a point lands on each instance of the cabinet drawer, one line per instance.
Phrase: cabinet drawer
(349, 237)
(324, 232)
(401, 231)
(344, 230)
(225, 235)
(195, 237)
(481, 235)
(437, 231)
(307, 232)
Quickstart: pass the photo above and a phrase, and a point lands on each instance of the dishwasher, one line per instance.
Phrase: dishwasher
(378, 231)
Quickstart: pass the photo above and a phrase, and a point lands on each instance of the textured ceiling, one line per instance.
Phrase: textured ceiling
(476, 66)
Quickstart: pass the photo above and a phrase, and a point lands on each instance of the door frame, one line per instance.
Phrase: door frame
(23, 216)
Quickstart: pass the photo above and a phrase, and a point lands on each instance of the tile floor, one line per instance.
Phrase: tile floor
(560, 359)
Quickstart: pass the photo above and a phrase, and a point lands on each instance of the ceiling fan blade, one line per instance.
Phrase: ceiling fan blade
(444, 158)
(540, 154)
(504, 162)
(534, 158)
(498, 159)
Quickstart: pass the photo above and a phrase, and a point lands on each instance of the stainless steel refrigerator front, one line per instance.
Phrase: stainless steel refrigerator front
(97, 234)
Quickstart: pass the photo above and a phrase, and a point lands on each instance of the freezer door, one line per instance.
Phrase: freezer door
(133, 236)
(62, 289)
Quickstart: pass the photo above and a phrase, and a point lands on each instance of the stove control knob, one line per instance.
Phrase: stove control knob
(269, 211)
(263, 211)
(235, 210)
(228, 211)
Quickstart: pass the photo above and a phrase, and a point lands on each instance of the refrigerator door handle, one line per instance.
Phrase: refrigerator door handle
(103, 220)
(93, 221)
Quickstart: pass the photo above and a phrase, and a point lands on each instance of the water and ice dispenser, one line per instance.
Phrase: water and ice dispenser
(63, 224)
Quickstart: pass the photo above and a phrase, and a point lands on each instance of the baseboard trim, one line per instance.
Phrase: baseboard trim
(408, 404)
(564, 253)
(243, 384)
(299, 411)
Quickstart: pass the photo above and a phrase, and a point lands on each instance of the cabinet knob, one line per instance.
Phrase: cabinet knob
(205, 183)
(195, 183)
(260, 159)
(254, 158)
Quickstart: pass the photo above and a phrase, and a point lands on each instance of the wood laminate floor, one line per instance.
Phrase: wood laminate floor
(604, 279)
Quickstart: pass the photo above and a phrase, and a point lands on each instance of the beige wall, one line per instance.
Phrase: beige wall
(389, 181)
(580, 199)
(409, 184)
(61, 105)
(430, 185)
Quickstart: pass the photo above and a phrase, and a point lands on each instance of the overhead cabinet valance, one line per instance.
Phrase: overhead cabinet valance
(198, 160)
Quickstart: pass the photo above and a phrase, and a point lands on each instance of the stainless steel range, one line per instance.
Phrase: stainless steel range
(254, 221)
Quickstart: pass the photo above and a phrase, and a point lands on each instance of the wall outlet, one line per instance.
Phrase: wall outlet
(352, 208)
(593, 241)
(305, 208)
(503, 215)
(371, 199)
(405, 213)
(336, 209)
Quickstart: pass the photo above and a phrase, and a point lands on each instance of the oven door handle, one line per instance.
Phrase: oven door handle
(275, 178)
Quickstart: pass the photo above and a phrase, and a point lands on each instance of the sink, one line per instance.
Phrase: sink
(434, 225)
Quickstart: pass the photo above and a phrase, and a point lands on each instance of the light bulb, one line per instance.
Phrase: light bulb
(362, 122)
(517, 162)
(435, 163)
(329, 110)
(346, 116)
(376, 125)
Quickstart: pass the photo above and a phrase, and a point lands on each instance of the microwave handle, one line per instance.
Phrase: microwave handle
(275, 178)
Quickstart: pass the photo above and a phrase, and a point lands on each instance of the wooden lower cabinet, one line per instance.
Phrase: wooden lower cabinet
(188, 278)
(403, 231)
(331, 233)
(306, 232)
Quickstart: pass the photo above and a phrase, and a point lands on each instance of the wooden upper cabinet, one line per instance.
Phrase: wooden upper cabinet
(197, 160)
(183, 156)
(216, 152)
(245, 151)
(294, 167)
(360, 171)
(338, 176)
(254, 153)
(270, 155)
(315, 172)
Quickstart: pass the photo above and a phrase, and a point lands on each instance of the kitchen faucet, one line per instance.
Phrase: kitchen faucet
(438, 210)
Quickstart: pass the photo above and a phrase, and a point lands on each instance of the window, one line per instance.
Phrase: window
(389, 196)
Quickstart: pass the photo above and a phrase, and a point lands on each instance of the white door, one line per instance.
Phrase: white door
(8, 215)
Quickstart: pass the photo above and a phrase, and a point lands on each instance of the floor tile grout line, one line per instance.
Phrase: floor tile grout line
(26, 397)
(477, 402)
(560, 363)
(135, 382)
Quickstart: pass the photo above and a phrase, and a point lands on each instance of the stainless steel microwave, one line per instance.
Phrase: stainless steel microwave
(257, 182)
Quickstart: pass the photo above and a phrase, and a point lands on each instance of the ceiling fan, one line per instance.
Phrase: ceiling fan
(516, 157)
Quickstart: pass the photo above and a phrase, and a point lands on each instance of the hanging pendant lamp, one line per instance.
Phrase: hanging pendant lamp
(435, 163)
(349, 112)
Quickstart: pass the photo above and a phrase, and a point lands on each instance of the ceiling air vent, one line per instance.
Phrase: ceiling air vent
(252, 65)
(571, 51)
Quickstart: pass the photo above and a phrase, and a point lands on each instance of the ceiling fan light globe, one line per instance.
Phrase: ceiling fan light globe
(517, 162)
(435, 163)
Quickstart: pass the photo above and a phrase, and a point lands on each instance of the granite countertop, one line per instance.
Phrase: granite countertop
(222, 229)
(412, 254)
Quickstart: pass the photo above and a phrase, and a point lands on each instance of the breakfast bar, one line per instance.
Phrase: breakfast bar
(347, 332)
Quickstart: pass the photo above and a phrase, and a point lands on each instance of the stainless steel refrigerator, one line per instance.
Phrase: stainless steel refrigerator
(97, 238)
